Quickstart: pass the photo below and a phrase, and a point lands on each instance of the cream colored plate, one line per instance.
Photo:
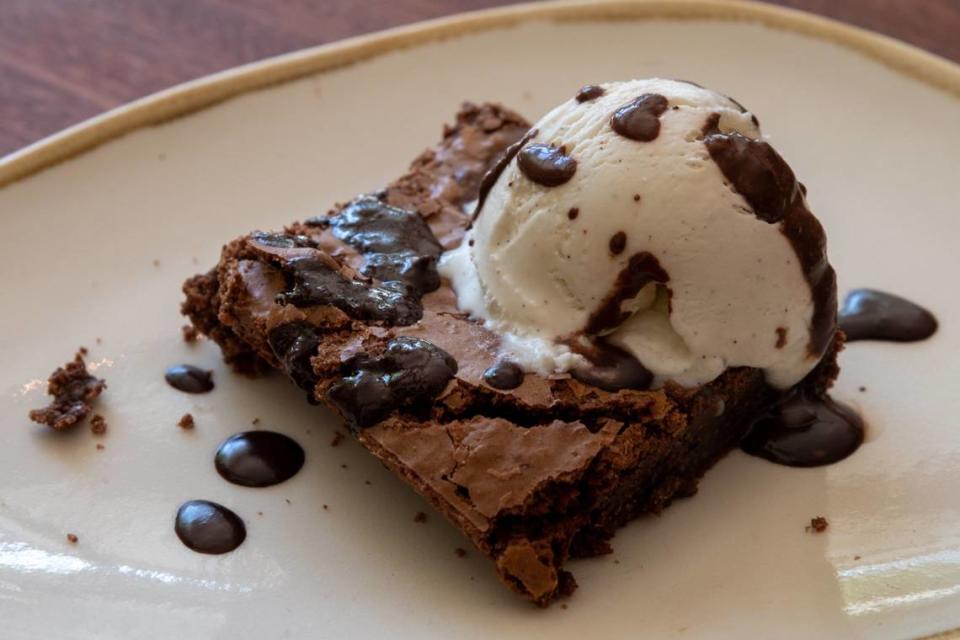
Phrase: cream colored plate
(877, 145)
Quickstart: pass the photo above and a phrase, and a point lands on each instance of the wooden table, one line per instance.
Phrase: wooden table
(65, 60)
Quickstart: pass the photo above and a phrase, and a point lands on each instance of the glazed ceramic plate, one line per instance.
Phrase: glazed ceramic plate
(96, 242)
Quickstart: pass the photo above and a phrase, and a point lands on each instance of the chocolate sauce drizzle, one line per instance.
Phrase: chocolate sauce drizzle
(407, 376)
(805, 430)
(504, 375)
(639, 119)
(642, 269)
(294, 343)
(611, 368)
(258, 458)
(207, 527)
(767, 183)
(397, 245)
(189, 379)
(546, 165)
(496, 169)
(874, 315)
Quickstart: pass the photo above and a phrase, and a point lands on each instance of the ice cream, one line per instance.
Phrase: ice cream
(649, 215)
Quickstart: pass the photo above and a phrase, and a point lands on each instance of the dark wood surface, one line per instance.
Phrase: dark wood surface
(65, 60)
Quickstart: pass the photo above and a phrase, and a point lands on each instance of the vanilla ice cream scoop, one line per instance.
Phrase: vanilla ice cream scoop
(649, 215)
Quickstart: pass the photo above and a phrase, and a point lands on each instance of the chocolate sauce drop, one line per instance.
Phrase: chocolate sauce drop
(504, 375)
(805, 430)
(189, 379)
(546, 165)
(873, 315)
(258, 458)
(207, 527)
(618, 242)
(493, 174)
(589, 92)
(639, 119)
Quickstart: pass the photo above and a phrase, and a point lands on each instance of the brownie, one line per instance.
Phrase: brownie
(351, 308)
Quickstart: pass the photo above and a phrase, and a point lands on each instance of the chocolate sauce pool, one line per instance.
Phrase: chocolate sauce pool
(805, 430)
(874, 315)
(208, 527)
(258, 458)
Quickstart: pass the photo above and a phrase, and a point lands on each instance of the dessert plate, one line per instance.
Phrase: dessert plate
(104, 221)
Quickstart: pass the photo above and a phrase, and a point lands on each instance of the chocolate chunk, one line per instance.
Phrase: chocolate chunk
(573, 213)
(642, 269)
(396, 244)
(493, 174)
(258, 458)
(407, 376)
(589, 92)
(767, 183)
(612, 369)
(618, 242)
(207, 527)
(874, 315)
(805, 430)
(294, 343)
(189, 379)
(504, 375)
(639, 119)
(314, 281)
(546, 165)
(73, 389)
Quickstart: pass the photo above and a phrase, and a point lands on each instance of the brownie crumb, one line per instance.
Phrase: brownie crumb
(73, 389)
(186, 422)
(190, 333)
(615, 561)
(862, 389)
(100, 447)
(72, 538)
(326, 507)
(255, 421)
(367, 482)
(99, 341)
(420, 517)
(337, 439)
(563, 605)
(83, 351)
(98, 425)
(343, 466)
(461, 552)
(156, 262)
(818, 524)
(287, 500)
(856, 557)
(636, 197)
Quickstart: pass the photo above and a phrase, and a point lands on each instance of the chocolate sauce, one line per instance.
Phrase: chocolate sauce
(491, 176)
(294, 343)
(258, 458)
(546, 165)
(282, 240)
(639, 119)
(573, 213)
(315, 281)
(504, 375)
(618, 242)
(612, 369)
(769, 186)
(642, 269)
(207, 527)
(873, 315)
(396, 244)
(805, 430)
(189, 379)
(588, 93)
(407, 376)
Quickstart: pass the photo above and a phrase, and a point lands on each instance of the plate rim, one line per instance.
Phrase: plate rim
(204, 92)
